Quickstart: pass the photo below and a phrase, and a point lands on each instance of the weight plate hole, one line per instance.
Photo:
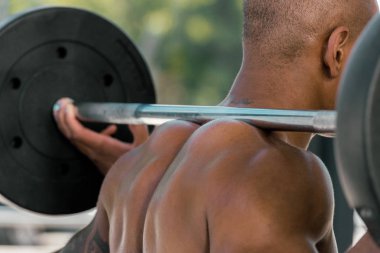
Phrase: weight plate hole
(16, 83)
(16, 142)
(62, 52)
(108, 80)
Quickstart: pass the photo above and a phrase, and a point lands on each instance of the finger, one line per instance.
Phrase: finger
(59, 111)
(82, 136)
(110, 130)
(140, 133)
(74, 127)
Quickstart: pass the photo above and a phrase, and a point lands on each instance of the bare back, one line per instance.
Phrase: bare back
(222, 187)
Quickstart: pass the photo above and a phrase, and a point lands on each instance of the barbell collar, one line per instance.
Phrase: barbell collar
(323, 122)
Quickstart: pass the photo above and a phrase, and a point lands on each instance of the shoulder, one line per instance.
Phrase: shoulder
(259, 154)
(274, 188)
(166, 136)
(162, 145)
(260, 165)
(228, 127)
(166, 140)
(171, 131)
(247, 153)
(227, 135)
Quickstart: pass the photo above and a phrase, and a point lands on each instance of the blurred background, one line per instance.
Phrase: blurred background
(193, 48)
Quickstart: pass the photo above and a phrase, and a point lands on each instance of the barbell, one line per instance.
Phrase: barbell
(322, 122)
(59, 52)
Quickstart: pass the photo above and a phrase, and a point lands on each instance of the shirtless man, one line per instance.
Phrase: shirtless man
(227, 186)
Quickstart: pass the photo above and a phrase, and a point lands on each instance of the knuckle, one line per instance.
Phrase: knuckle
(73, 136)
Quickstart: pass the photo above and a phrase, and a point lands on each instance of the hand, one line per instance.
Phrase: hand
(101, 148)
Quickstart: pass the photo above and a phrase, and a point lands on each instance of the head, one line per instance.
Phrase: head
(313, 36)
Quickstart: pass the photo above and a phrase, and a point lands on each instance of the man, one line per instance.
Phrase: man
(227, 186)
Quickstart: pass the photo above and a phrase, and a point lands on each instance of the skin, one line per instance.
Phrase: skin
(224, 186)
(366, 244)
(101, 148)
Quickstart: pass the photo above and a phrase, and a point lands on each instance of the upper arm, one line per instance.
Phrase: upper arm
(86, 240)
(281, 203)
(156, 149)
(93, 238)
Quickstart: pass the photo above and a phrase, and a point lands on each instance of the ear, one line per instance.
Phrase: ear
(335, 51)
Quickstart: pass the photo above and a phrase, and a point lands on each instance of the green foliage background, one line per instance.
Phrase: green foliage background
(193, 47)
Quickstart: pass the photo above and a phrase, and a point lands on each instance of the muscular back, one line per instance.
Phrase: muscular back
(222, 187)
(233, 188)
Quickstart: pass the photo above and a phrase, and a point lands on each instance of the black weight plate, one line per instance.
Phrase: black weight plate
(47, 54)
(358, 134)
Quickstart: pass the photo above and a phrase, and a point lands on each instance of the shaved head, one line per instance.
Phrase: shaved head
(281, 29)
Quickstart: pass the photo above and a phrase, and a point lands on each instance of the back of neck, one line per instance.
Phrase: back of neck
(276, 89)
(264, 87)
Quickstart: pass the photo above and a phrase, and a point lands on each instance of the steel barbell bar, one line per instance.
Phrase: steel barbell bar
(323, 122)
